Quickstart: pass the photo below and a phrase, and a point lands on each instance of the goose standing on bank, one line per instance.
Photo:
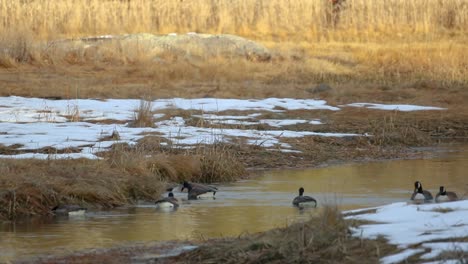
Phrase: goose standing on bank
(420, 195)
(304, 201)
(444, 196)
(198, 191)
(168, 202)
(69, 209)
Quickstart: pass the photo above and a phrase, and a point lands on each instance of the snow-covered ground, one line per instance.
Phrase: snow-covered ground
(424, 229)
(34, 123)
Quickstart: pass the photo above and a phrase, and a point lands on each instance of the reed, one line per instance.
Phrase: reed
(279, 20)
(125, 175)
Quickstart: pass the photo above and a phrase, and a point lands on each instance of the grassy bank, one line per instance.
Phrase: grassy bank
(125, 175)
(325, 238)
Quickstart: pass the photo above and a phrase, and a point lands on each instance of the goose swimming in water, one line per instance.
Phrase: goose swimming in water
(69, 209)
(304, 201)
(168, 202)
(420, 195)
(199, 191)
(444, 196)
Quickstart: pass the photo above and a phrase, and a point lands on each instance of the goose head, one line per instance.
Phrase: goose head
(301, 191)
(418, 187)
(442, 190)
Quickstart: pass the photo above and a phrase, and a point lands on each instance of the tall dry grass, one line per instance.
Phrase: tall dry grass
(125, 174)
(368, 43)
(280, 20)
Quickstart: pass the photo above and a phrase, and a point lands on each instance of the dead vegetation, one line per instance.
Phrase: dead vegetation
(394, 50)
(359, 20)
(125, 175)
(325, 238)
(143, 116)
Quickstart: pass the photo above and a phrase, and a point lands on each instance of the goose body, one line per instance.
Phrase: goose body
(420, 195)
(71, 210)
(304, 201)
(199, 191)
(168, 202)
(444, 196)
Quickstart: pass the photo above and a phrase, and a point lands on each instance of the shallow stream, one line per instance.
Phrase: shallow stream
(258, 204)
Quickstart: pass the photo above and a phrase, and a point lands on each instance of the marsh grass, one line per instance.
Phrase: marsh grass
(125, 175)
(389, 43)
(203, 163)
(456, 253)
(273, 19)
(324, 238)
(143, 115)
(392, 130)
(34, 187)
(219, 162)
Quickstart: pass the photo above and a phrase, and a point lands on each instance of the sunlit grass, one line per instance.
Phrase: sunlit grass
(279, 20)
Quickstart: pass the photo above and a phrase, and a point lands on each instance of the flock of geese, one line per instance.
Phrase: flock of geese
(199, 191)
(420, 195)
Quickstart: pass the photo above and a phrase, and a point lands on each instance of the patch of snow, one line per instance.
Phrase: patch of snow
(234, 122)
(408, 225)
(282, 122)
(37, 123)
(50, 156)
(396, 107)
(400, 257)
(438, 247)
(268, 104)
(221, 117)
(448, 261)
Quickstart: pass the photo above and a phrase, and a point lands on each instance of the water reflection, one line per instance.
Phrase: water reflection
(253, 205)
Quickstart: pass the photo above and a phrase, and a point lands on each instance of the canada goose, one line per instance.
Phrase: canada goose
(69, 209)
(304, 201)
(444, 196)
(168, 202)
(419, 194)
(197, 190)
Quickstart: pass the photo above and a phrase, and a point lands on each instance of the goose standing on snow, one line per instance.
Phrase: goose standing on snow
(304, 201)
(69, 209)
(444, 196)
(420, 195)
(168, 202)
(198, 191)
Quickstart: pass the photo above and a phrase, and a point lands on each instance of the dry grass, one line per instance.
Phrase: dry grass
(324, 239)
(34, 187)
(388, 44)
(143, 116)
(125, 175)
(204, 163)
(384, 71)
(267, 19)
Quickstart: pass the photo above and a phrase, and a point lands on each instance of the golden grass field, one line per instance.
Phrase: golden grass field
(275, 20)
(387, 43)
